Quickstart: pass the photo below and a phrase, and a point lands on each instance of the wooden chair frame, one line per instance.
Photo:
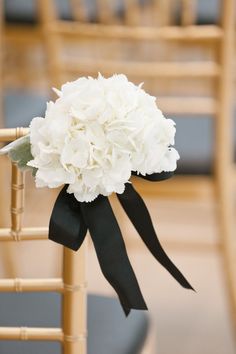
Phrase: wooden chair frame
(72, 286)
(55, 30)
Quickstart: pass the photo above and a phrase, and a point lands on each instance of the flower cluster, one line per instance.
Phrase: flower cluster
(96, 133)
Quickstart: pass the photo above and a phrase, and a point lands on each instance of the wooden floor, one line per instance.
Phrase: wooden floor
(183, 322)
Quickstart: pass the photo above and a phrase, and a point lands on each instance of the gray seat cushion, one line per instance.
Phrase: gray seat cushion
(208, 12)
(109, 331)
(195, 142)
(25, 11)
(20, 107)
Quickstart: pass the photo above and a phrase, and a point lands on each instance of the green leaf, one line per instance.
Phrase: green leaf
(19, 151)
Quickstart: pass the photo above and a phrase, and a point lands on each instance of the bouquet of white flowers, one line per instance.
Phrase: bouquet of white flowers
(93, 138)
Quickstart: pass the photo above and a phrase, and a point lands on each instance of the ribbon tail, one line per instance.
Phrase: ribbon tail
(138, 214)
(67, 225)
(111, 252)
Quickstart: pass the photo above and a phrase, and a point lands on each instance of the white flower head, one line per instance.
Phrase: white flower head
(96, 133)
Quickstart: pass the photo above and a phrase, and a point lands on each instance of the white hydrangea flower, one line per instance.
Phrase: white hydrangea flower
(96, 133)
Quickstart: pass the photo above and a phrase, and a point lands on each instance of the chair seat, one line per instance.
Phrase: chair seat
(208, 11)
(21, 107)
(24, 11)
(108, 329)
(195, 144)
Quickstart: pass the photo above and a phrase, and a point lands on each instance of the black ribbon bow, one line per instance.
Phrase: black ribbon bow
(70, 221)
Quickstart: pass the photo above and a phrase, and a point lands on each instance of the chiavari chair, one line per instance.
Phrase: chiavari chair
(72, 284)
(104, 315)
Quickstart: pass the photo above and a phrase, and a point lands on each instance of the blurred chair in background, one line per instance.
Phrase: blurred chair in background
(193, 68)
(23, 39)
(19, 102)
(109, 330)
(1, 61)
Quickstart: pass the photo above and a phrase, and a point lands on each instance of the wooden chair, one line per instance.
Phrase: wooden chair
(72, 284)
(17, 106)
(1, 47)
(23, 43)
(105, 315)
(219, 68)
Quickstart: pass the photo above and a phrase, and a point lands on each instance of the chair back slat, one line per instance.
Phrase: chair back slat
(188, 13)
(133, 12)
(79, 11)
(163, 11)
(105, 11)
(17, 199)
(47, 11)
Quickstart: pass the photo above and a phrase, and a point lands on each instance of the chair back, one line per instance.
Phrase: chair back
(175, 61)
(71, 285)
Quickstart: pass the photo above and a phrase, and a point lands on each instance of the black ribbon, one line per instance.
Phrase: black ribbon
(67, 225)
(71, 219)
(155, 177)
(111, 252)
(138, 214)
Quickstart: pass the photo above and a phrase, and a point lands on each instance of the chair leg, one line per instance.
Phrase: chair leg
(4, 176)
(74, 301)
(228, 241)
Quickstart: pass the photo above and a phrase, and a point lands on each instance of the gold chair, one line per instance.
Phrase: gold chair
(1, 47)
(72, 285)
(105, 317)
(218, 68)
